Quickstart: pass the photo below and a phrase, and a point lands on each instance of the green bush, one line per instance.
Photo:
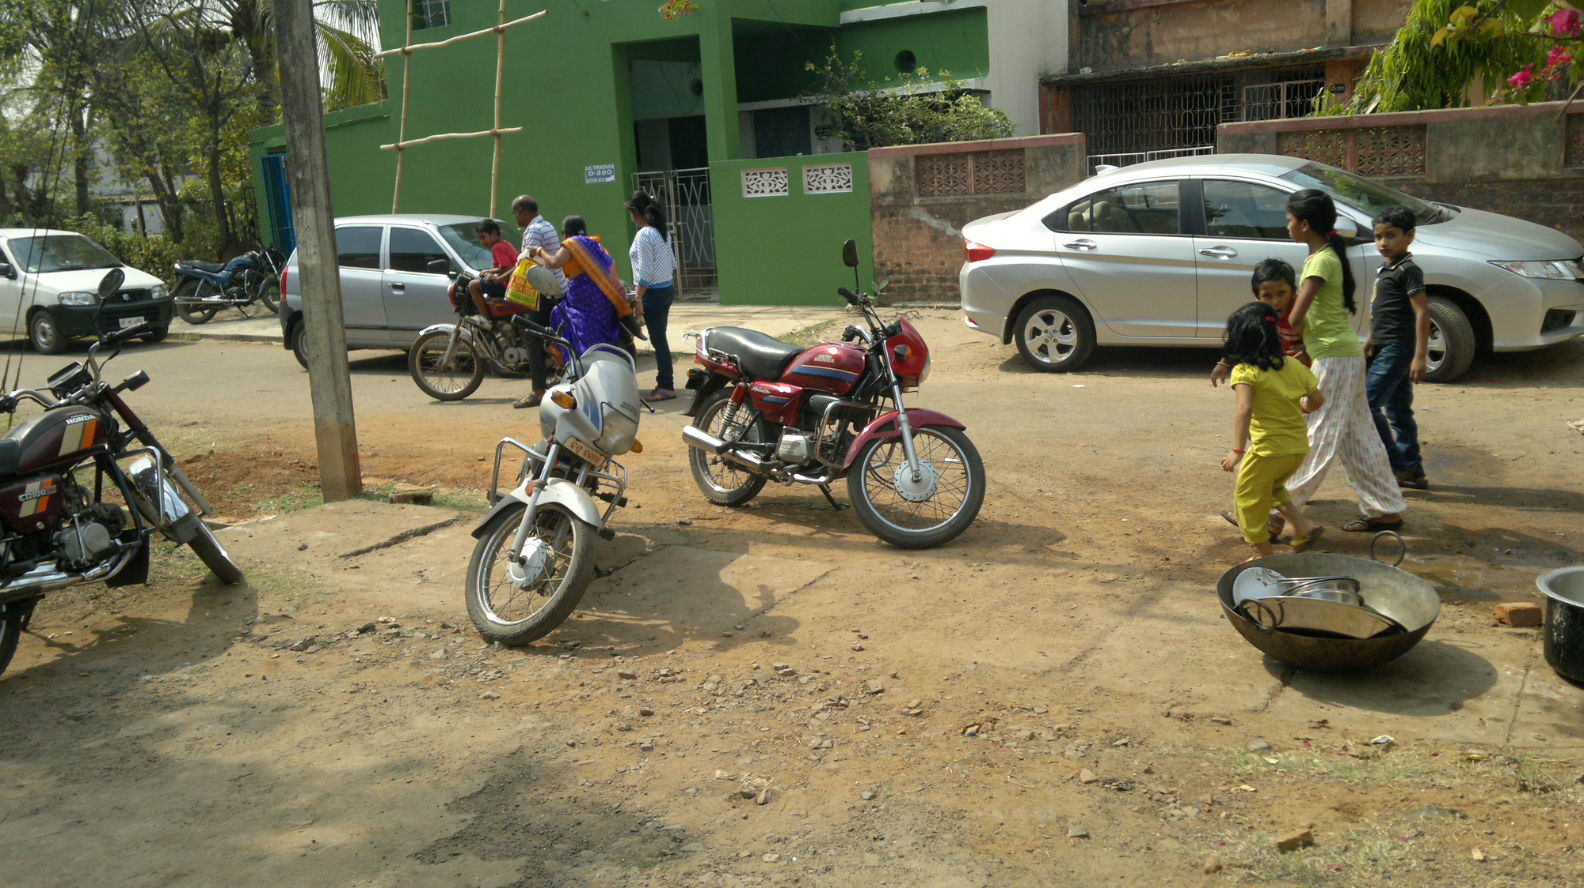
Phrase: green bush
(155, 254)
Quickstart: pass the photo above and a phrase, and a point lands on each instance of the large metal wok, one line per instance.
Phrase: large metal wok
(1396, 593)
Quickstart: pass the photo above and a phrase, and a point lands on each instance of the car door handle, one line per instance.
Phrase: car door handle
(398, 286)
(1081, 244)
(1219, 252)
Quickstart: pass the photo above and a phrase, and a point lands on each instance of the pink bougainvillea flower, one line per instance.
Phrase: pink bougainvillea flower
(1523, 79)
(1559, 58)
(1565, 23)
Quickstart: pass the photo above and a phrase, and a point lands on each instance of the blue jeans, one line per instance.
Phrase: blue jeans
(657, 311)
(1390, 393)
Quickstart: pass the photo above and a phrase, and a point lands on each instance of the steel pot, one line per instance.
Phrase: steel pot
(1564, 621)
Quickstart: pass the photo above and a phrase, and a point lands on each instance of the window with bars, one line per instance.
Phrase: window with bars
(431, 13)
(1171, 113)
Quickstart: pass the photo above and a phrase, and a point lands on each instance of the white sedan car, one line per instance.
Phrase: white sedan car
(1158, 254)
(49, 283)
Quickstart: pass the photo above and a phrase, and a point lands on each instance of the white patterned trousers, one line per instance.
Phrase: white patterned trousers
(1343, 432)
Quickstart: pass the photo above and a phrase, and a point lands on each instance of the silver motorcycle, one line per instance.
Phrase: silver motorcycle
(535, 552)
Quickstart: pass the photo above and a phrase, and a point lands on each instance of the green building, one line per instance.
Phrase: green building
(703, 109)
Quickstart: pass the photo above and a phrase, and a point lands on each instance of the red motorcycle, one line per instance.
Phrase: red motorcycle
(768, 410)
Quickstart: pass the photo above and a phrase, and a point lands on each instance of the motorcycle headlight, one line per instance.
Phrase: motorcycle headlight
(1545, 269)
(158, 292)
(79, 297)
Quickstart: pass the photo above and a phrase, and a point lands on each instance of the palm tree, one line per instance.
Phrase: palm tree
(347, 32)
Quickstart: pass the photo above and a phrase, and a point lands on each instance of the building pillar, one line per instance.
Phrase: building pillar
(718, 70)
(1339, 22)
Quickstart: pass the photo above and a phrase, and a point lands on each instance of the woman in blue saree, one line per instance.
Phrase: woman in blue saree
(595, 304)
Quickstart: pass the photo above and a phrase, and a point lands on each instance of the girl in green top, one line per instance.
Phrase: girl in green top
(1342, 430)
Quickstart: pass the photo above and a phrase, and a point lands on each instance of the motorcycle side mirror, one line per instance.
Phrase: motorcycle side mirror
(850, 253)
(110, 283)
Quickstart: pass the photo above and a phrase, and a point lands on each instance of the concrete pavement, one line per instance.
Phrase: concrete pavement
(774, 320)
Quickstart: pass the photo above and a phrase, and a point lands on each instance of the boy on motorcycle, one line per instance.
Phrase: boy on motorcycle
(492, 282)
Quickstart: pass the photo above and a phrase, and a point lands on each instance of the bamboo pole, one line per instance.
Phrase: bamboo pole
(461, 37)
(401, 135)
(500, 83)
(402, 146)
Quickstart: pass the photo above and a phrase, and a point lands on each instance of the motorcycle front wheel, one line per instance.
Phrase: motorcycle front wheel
(517, 603)
(426, 363)
(13, 617)
(918, 513)
(722, 481)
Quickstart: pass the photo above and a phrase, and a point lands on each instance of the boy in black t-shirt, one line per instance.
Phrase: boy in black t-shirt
(1398, 341)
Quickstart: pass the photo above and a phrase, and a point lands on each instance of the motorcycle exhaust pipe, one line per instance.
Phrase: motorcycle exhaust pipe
(48, 578)
(701, 440)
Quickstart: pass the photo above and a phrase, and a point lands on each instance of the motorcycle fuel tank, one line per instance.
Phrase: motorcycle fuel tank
(64, 434)
(833, 367)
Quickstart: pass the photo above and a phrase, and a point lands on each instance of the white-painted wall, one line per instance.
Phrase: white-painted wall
(1028, 38)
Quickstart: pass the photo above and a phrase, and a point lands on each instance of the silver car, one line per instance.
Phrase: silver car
(394, 276)
(1160, 253)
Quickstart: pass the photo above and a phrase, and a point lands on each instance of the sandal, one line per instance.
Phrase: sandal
(532, 399)
(1370, 525)
(1299, 545)
(660, 394)
(1274, 526)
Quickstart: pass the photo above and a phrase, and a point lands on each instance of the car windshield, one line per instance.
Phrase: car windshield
(1362, 194)
(465, 241)
(61, 252)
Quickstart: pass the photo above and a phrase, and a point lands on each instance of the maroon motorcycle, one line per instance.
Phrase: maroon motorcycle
(767, 410)
(85, 485)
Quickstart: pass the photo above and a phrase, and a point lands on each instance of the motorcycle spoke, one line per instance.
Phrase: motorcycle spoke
(511, 603)
(951, 484)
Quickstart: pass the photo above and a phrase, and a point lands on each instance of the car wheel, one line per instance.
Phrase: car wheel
(1054, 334)
(1452, 343)
(299, 343)
(45, 334)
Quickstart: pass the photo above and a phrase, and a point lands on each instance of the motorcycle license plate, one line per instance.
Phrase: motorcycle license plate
(130, 322)
(585, 451)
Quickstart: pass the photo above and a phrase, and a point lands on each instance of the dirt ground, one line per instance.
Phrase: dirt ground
(771, 696)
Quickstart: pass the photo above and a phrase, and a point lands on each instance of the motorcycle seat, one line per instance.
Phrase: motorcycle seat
(759, 355)
(199, 266)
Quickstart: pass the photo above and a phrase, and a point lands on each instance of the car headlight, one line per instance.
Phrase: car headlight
(157, 292)
(1546, 269)
(79, 297)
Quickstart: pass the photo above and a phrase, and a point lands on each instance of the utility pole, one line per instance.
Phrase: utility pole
(308, 170)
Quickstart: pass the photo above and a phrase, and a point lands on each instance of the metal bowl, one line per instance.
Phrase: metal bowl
(1397, 594)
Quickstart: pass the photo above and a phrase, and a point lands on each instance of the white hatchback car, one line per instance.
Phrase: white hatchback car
(49, 284)
(1158, 254)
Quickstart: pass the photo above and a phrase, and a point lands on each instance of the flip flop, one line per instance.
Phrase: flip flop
(1273, 526)
(1371, 525)
(1300, 545)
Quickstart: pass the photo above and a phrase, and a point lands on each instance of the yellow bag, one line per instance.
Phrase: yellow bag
(520, 289)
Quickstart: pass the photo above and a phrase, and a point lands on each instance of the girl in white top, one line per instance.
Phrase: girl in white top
(654, 269)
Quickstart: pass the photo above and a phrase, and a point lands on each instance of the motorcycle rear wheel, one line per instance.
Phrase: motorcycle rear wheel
(196, 314)
(13, 617)
(723, 482)
(509, 614)
(424, 364)
(918, 515)
(214, 556)
(268, 294)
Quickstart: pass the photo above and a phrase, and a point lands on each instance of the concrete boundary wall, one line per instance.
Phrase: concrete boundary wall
(922, 195)
(1520, 160)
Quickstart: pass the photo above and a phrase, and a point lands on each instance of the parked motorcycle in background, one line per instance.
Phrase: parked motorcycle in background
(60, 528)
(448, 361)
(767, 410)
(203, 288)
(535, 552)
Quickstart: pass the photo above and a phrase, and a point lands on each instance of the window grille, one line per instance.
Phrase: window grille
(832, 178)
(979, 172)
(431, 13)
(765, 183)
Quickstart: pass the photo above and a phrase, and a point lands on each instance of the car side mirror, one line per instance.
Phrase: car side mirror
(110, 283)
(438, 266)
(850, 253)
(6, 270)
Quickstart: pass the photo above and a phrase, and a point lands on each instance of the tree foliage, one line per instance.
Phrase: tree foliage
(919, 108)
(1546, 34)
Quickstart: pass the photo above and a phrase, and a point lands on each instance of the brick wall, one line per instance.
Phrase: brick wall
(1522, 161)
(922, 195)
